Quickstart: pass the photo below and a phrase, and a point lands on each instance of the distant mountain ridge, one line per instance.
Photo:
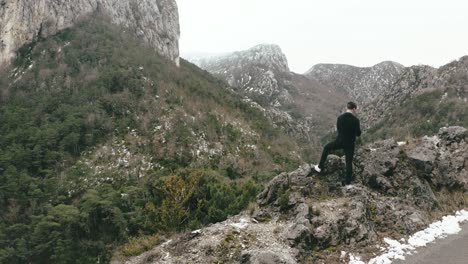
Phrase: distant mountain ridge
(319, 94)
(363, 84)
(253, 70)
(267, 55)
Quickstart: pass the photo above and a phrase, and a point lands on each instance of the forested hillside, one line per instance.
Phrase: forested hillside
(103, 140)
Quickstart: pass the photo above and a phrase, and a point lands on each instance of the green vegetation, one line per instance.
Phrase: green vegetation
(230, 249)
(89, 86)
(136, 246)
(422, 115)
(283, 198)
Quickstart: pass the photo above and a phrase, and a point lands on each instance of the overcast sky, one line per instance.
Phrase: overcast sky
(356, 32)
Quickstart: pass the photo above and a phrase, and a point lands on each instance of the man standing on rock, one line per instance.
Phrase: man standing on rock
(348, 129)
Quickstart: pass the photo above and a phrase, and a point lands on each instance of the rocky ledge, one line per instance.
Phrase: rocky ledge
(303, 217)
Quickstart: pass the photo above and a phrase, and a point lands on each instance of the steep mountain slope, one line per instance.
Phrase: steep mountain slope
(426, 97)
(102, 139)
(256, 71)
(361, 84)
(155, 22)
(390, 95)
(302, 107)
(303, 217)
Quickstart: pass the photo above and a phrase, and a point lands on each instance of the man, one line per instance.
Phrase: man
(348, 129)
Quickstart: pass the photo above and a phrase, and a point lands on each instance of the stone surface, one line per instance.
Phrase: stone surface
(265, 257)
(454, 134)
(302, 211)
(424, 155)
(155, 21)
(451, 168)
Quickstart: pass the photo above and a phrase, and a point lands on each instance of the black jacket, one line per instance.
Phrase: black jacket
(349, 128)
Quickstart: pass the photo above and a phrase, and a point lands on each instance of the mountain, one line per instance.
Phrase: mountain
(154, 22)
(361, 84)
(110, 144)
(254, 70)
(103, 140)
(429, 98)
(301, 106)
(389, 95)
(304, 217)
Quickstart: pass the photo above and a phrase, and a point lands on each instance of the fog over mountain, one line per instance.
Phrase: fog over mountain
(361, 33)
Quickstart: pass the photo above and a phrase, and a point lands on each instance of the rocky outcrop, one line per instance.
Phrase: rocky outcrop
(267, 55)
(411, 81)
(302, 212)
(451, 81)
(22, 21)
(450, 167)
(254, 70)
(362, 84)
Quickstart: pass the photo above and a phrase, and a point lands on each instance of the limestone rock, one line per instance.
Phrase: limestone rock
(156, 22)
(377, 162)
(265, 257)
(452, 160)
(424, 154)
(454, 134)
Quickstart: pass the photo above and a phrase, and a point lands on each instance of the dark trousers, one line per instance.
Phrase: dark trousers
(349, 153)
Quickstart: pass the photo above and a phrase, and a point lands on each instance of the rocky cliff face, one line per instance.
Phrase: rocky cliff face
(22, 21)
(360, 84)
(411, 81)
(449, 81)
(301, 216)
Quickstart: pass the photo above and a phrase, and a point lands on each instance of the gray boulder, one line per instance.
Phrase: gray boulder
(265, 257)
(424, 154)
(453, 134)
(451, 165)
(376, 164)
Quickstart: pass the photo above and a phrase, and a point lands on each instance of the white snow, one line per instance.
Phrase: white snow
(355, 260)
(449, 225)
(243, 223)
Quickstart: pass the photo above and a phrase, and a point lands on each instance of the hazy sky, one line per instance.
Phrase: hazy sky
(357, 32)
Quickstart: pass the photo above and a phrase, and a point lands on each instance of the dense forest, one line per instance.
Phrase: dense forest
(106, 146)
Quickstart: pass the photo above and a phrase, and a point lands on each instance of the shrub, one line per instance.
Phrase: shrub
(136, 246)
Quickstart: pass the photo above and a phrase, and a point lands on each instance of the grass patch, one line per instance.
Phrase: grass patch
(136, 246)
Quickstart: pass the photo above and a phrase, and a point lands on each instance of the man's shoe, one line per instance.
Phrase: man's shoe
(317, 169)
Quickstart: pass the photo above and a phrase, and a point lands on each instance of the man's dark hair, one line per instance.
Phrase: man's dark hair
(352, 105)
